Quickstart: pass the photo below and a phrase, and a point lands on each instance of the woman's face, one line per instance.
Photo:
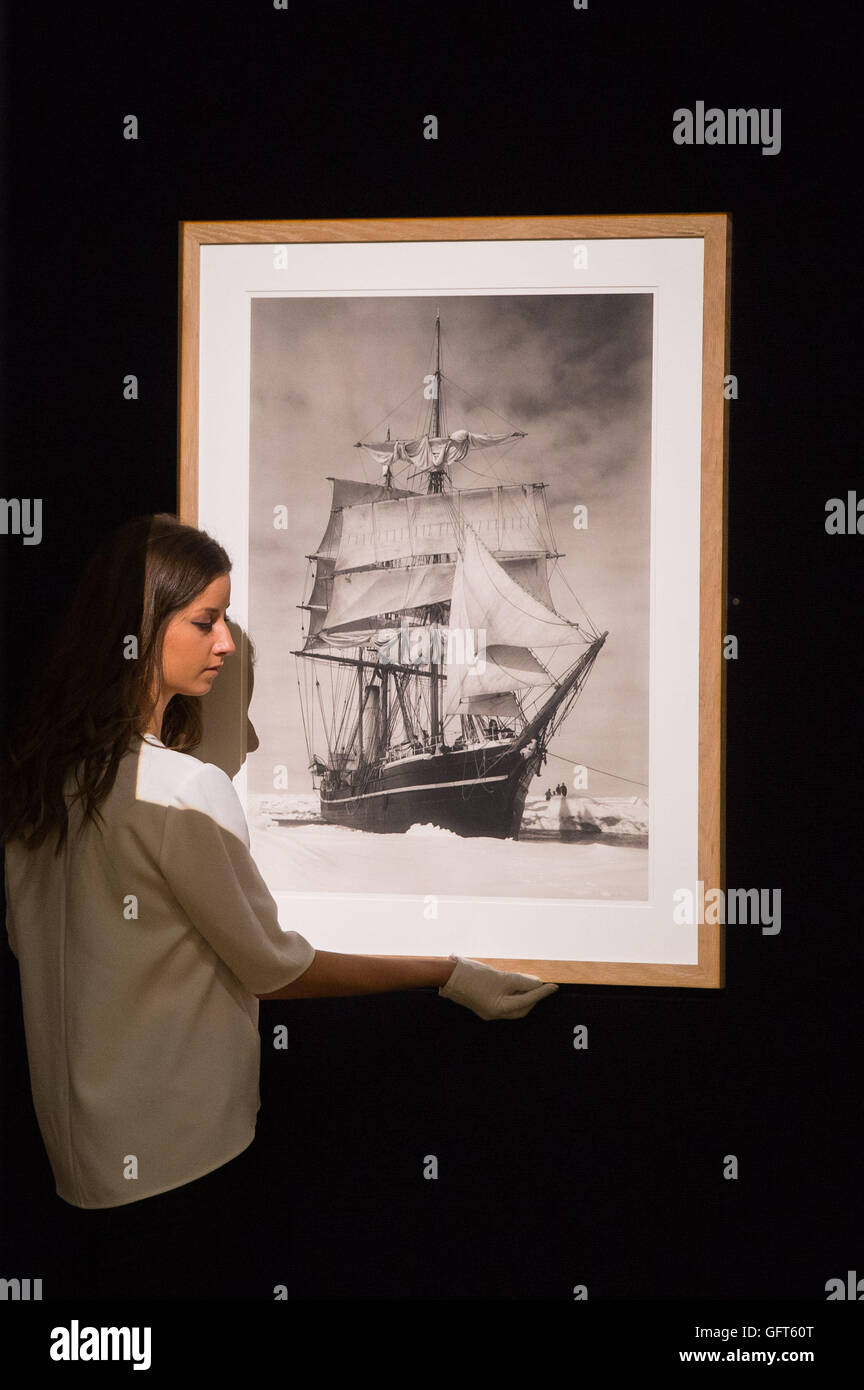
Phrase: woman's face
(197, 641)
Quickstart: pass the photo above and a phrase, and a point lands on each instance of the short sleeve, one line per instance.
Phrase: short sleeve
(205, 858)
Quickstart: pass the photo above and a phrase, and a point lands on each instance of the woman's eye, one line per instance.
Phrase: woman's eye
(205, 627)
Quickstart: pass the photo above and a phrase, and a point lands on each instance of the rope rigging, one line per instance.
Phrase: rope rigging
(574, 762)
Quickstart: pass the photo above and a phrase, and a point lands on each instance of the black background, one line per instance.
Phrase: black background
(558, 1167)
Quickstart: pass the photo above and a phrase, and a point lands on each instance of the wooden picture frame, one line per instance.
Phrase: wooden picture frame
(206, 352)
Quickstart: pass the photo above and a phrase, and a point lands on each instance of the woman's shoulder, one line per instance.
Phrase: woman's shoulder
(179, 780)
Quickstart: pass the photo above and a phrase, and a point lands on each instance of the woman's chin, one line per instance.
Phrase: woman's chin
(202, 686)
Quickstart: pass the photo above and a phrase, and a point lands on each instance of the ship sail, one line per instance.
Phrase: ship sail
(411, 534)
(359, 600)
(487, 600)
(510, 519)
(432, 453)
(346, 493)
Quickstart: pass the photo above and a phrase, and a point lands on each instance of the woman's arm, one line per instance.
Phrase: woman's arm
(333, 973)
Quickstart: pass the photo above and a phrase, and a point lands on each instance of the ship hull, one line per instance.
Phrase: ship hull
(473, 792)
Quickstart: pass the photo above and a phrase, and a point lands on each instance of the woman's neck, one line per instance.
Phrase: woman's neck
(154, 724)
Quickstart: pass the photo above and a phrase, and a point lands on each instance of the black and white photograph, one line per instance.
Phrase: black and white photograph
(448, 703)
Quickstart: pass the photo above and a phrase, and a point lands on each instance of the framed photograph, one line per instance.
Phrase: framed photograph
(471, 474)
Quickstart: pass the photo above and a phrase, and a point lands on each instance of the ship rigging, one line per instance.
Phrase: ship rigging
(451, 740)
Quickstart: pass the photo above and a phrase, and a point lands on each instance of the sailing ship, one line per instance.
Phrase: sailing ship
(428, 618)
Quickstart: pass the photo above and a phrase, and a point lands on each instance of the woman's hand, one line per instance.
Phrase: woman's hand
(493, 993)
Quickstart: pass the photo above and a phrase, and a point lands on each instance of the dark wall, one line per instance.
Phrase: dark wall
(602, 1167)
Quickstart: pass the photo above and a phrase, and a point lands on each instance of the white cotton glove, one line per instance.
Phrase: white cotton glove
(493, 993)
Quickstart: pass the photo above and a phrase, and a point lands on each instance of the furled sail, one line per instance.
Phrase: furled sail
(434, 452)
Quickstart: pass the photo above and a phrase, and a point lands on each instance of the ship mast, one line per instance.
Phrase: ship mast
(436, 484)
(436, 475)
(383, 699)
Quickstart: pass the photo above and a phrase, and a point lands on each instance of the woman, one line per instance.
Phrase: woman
(144, 932)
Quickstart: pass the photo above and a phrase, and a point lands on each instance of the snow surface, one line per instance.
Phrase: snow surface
(314, 857)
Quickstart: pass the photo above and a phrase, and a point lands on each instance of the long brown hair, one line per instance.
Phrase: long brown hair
(100, 673)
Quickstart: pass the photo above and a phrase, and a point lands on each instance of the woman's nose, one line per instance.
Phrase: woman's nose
(225, 642)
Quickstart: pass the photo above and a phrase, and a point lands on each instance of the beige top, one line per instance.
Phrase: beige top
(141, 950)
